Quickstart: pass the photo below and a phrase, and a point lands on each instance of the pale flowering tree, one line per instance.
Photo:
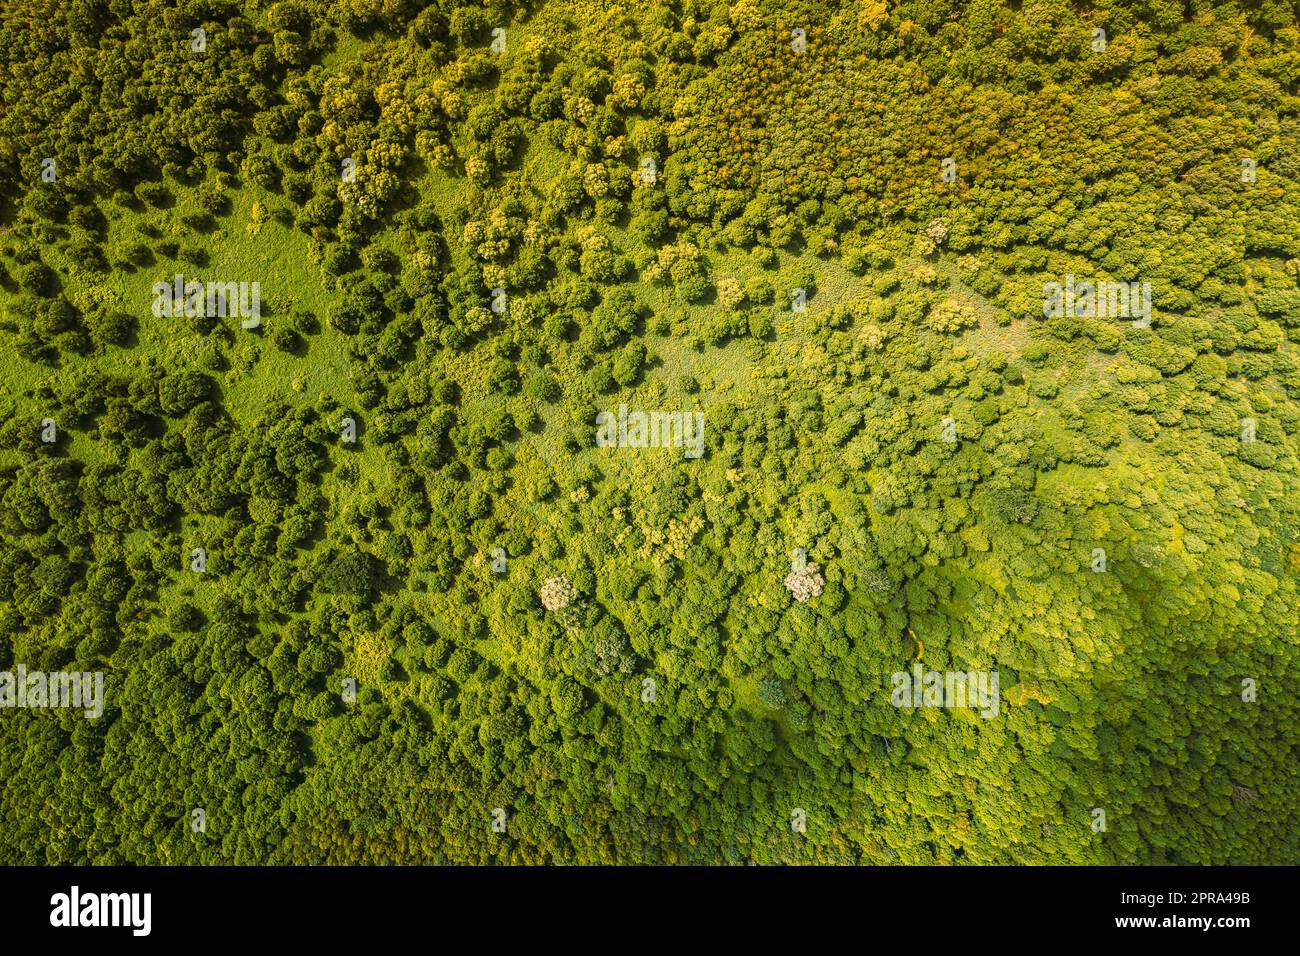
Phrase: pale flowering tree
(805, 583)
(557, 593)
(937, 231)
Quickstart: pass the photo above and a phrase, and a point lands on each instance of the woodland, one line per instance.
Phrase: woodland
(364, 585)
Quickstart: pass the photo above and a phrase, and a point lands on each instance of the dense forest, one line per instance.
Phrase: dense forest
(368, 583)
